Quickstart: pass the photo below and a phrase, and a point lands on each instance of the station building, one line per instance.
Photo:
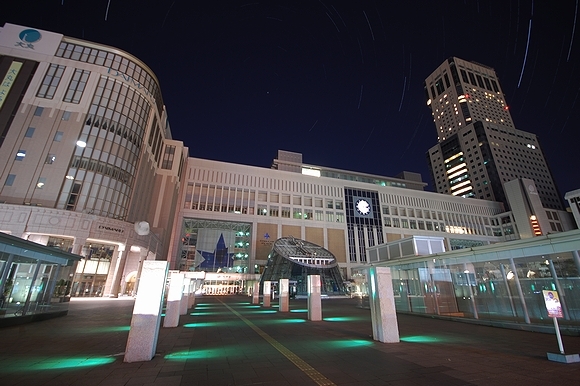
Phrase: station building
(90, 167)
(230, 215)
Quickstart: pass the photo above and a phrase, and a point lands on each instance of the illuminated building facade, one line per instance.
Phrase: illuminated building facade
(88, 163)
(233, 214)
(479, 149)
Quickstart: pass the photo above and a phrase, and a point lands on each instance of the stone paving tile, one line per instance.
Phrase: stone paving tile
(221, 349)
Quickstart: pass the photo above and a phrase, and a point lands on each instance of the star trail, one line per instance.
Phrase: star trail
(340, 82)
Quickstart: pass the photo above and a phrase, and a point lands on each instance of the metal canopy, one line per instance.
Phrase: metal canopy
(14, 245)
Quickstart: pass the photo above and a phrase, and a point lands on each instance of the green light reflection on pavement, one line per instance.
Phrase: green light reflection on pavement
(206, 313)
(342, 319)
(53, 363)
(281, 321)
(108, 329)
(213, 324)
(203, 354)
(349, 343)
(299, 310)
(262, 312)
(421, 339)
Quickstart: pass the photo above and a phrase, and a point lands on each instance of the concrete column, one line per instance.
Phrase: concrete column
(576, 258)
(143, 253)
(119, 268)
(191, 297)
(382, 302)
(256, 293)
(173, 299)
(77, 247)
(267, 290)
(142, 340)
(284, 294)
(183, 305)
(314, 298)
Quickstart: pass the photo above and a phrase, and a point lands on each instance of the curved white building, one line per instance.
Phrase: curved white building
(86, 154)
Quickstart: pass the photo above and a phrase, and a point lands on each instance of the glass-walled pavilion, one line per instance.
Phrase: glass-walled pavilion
(498, 282)
(34, 279)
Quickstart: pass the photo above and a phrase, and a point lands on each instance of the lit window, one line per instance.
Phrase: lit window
(50, 159)
(20, 155)
(41, 182)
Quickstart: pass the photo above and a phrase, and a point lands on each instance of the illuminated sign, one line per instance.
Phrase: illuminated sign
(28, 37)
(111, 229)
(535, 226)
(553, 304)
(8, 81)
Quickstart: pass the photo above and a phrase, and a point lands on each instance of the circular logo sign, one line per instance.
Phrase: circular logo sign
(363, 207)
(30, 36)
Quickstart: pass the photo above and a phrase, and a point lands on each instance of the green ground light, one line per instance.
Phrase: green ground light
(299, 310)
(282, 321)
(220, 352)
(421, 339)
(213, 324)
(343, 319)
(52, 363)
(206, 313)
(263, 312)
(108, 329)
(349, 343)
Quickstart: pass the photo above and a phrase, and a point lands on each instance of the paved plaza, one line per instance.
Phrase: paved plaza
(228, 341)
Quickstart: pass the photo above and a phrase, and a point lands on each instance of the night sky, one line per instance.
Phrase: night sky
(339, 81)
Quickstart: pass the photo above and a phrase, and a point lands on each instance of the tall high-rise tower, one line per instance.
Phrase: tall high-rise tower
(479, 149)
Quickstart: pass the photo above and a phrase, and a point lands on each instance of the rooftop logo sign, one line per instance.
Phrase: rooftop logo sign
(31, 40)
(28, 37)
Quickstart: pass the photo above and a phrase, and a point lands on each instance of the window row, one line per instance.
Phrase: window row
(52, 78)
(127, 67)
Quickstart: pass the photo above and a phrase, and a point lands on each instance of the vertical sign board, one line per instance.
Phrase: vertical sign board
(554, 308)
(8, 80)
(553, 304)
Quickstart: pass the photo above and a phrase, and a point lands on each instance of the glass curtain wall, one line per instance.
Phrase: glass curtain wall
(486, 286)
(31, 286)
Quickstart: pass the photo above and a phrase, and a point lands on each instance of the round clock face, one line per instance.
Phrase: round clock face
(363, 207)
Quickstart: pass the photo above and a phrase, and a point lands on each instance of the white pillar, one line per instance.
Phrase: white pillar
(173, 299)
(142, 340)
(284, 294)
(184, 296)
(382, 302)
(143, 253)
(191, 297)
(314, 298)
(267, 290)
(119, 268)
(256, 293)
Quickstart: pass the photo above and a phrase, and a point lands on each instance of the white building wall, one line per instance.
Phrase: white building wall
(274, 190)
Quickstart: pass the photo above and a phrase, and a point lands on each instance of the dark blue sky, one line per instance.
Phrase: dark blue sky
(339, 81)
